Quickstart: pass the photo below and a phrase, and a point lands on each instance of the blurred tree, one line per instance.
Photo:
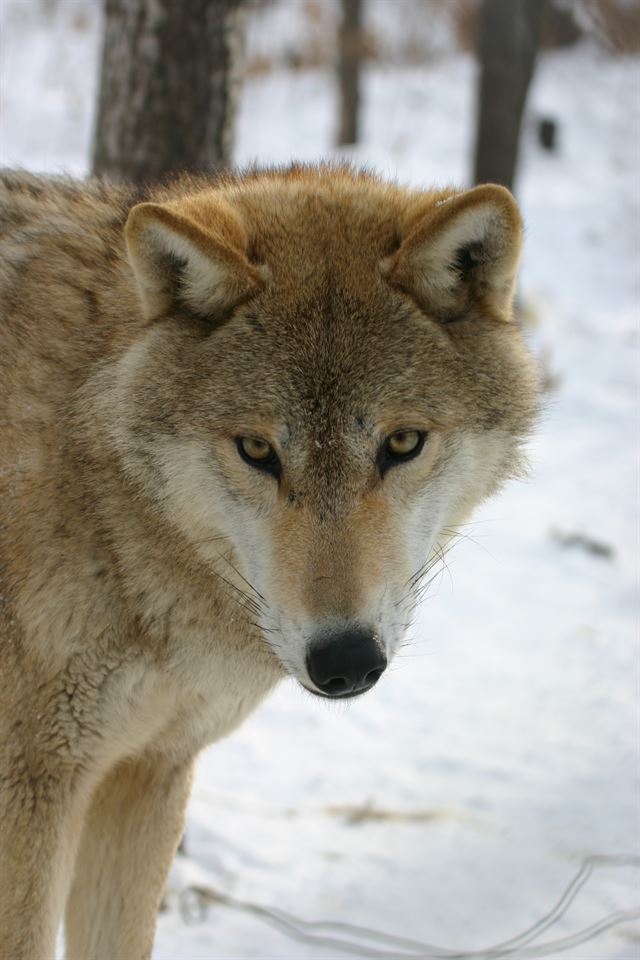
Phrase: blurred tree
(167, 89)
(560, 27)
(349, 57)
(509, 35)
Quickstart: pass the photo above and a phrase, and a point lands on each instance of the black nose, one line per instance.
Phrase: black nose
(344, 664)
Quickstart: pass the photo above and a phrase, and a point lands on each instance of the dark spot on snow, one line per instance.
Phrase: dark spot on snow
(584, 542)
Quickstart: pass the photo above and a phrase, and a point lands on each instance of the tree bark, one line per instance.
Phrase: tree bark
(168, 87)
(509, 36)
(349, 57)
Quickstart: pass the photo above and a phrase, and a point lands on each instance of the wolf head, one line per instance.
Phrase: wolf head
(329, 381)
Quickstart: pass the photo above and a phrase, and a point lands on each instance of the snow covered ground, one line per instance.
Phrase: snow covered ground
(455, 802)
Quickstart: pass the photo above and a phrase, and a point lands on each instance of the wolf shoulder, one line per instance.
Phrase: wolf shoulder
(65, 291)
(62, 276)
(63, 265)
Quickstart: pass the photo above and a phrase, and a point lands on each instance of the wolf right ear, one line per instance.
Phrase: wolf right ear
(461, 251)
(202, 265)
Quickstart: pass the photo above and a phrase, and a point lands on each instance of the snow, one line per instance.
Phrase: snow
(455, 802)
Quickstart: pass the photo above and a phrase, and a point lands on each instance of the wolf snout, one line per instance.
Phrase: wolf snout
(345, 664)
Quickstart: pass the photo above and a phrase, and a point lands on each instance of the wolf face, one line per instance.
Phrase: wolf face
(329, 382)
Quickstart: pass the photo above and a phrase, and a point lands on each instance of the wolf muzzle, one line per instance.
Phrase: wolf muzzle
(345, 664)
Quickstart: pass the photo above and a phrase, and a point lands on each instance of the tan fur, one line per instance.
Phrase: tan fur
(154, 587)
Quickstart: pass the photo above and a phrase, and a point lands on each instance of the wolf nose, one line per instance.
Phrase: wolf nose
(344, 664)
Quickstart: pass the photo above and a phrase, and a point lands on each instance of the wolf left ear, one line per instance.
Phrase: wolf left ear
(461, 251)
(178, 261)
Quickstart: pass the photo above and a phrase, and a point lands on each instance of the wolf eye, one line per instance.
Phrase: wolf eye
(404, 442)
(255, 449)
(400, 446)
(258, 453)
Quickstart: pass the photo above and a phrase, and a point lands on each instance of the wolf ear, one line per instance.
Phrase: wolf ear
(177, 260)
(462, 252)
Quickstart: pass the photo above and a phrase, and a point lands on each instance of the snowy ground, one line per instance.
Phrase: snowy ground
(455, 802)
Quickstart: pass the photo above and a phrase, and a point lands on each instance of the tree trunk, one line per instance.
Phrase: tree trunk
(349, 56)
(508, 41)
(168, 87)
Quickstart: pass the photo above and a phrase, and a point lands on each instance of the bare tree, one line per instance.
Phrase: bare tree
(349, 56)
(168, 84)
(509, 36)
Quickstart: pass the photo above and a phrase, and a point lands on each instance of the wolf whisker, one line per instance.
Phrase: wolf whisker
(243, 578)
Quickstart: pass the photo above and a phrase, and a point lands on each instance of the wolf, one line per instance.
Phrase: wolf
(239, 418)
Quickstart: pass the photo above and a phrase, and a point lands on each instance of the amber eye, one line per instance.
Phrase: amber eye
(256, 449)
(400, 446)
(404, 442)
(258, 453)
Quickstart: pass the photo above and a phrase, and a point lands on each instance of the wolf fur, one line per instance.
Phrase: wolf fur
(155, 587)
